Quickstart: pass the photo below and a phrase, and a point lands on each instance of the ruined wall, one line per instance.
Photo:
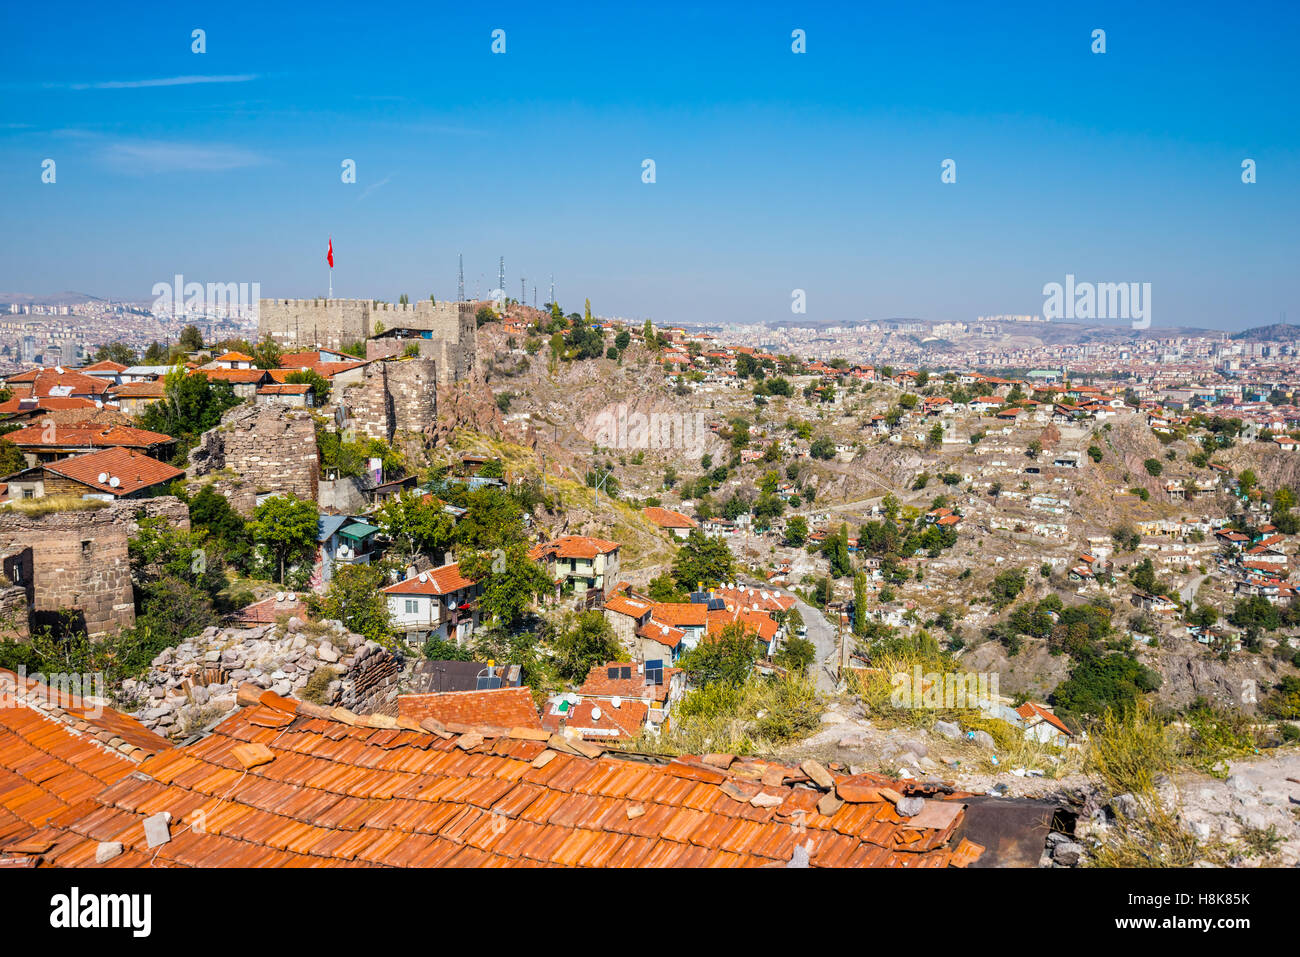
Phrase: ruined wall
(399, 395)
(259, 449)
(413, 384)
(77, 561)
(333, 323)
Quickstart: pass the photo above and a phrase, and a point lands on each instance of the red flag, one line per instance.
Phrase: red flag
(329, 256)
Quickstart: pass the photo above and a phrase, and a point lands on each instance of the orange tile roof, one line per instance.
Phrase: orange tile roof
(632, 607)
(280, 782)
(233, 357)
(437, 581)
(599, 684)
(235, 375)
(755, 599)
(43, 381)
(284, 389)
(756, 622)
(133, 470)
(1030, 710)
(601, 721)
(667, 518)
(681, 613)
(154, 388)
(657, 631)
(498, 708)
(87, 435)
(57, 751)
(573, 546)
(107, 365)
(46, 403)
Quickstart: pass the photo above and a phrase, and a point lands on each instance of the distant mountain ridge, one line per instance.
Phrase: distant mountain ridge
(57, 299)
(1277, 332)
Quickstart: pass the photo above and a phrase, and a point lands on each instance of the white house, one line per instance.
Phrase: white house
(1041, 725)
(435, 604)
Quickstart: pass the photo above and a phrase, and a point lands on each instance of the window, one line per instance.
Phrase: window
(412, 606)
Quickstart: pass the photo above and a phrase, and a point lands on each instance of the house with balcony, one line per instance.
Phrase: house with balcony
(579, 563)
(342, 539)
(440, 603)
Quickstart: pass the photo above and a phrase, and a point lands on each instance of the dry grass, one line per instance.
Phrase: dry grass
(1132, 754)
(40, 507)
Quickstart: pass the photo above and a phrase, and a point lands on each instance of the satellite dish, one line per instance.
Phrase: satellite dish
(595, 714)
(424, 577)
(279, 596)
(616, 702)
(103, 477)
(291, 597)
(114, 482)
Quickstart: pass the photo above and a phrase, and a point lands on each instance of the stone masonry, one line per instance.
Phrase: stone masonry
(257, 450)
(444, 332)
(76, 561)
(396, 395)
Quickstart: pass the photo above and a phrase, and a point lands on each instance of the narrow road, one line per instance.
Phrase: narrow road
(822, 634)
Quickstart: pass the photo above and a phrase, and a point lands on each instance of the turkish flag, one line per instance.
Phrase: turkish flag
(329, 256)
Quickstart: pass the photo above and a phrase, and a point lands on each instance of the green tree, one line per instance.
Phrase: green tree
(286, 527)
(702, 559)
(860, 604)
(189, 407)
(117, 352)
(796, 531)
(320, 386)
(511, 582)
(582, 644)
(796, 655)
(415, 526)
(726, 659)
(191, 339)
(354, 598)
(267, 353)
(11, 458)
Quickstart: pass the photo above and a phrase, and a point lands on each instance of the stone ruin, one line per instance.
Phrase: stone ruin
(194, 685)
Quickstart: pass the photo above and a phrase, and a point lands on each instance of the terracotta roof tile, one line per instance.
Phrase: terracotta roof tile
(333, 795)
(133, 470)
(501, 708)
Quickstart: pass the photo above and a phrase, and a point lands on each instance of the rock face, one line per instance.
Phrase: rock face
(195, 684)
(258, 449)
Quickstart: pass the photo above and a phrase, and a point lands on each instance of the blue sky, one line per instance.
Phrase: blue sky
(775, 171)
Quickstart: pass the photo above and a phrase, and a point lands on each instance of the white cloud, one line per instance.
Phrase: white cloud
(159, 81)
(158, 156)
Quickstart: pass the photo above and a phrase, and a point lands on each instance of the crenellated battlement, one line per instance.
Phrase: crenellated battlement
(446, 330)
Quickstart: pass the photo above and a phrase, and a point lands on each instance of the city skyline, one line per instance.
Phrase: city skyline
(774, 171)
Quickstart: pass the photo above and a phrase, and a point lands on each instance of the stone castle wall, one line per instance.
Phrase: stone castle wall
(76, 561)
(256, 450)
(399, 395)
(335, 323)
